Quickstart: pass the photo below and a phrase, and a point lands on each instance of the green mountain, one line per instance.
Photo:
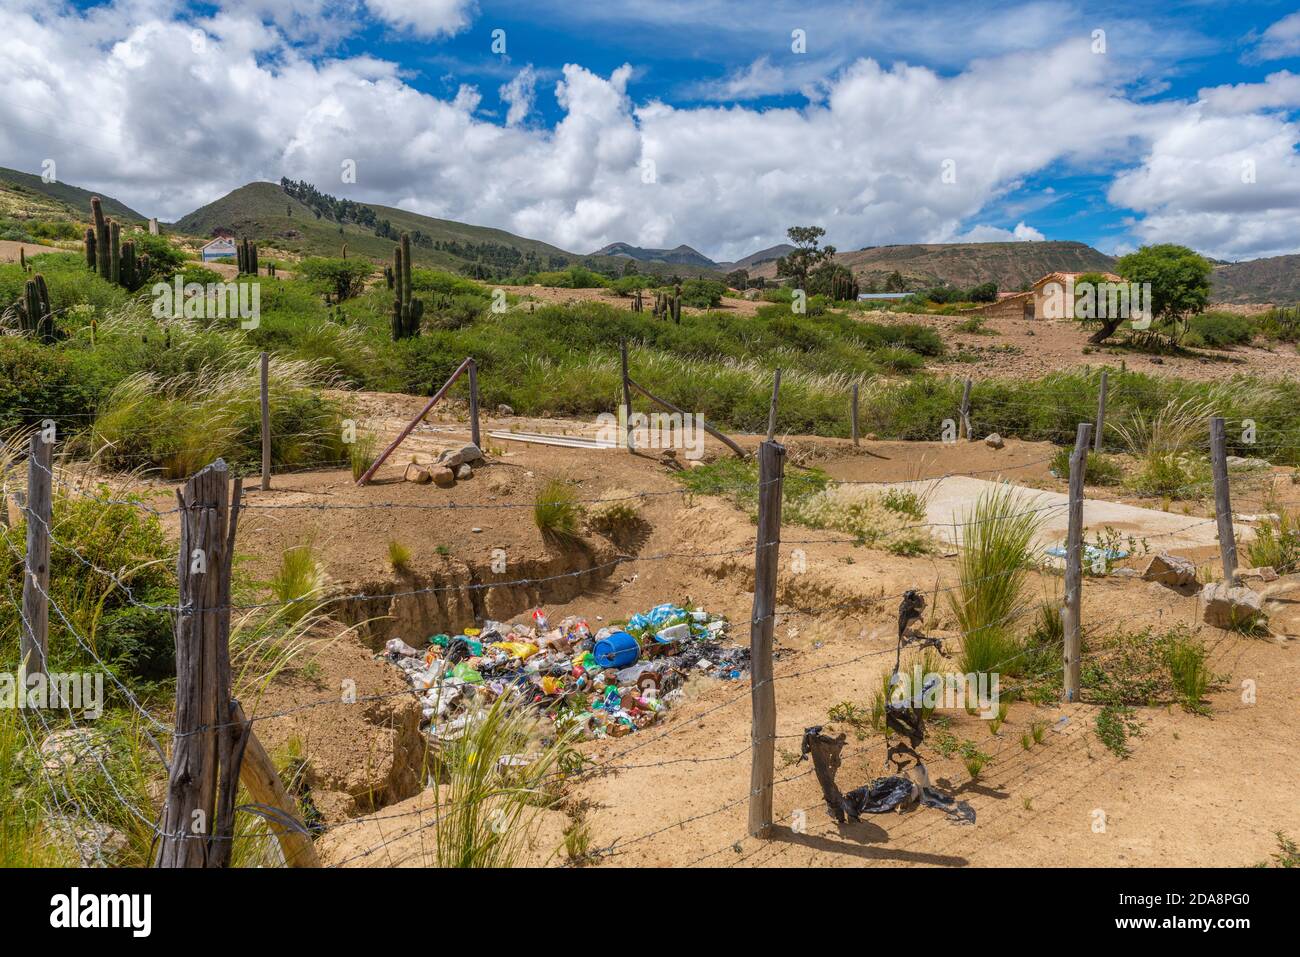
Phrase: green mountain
(75, 199)
(267, 213)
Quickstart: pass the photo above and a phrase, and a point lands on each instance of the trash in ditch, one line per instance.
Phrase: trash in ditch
(1097, 559)
(609, 683)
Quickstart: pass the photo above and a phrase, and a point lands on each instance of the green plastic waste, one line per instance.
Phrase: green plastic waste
(464, 672)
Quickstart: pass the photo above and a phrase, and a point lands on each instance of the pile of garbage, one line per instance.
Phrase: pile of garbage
(607, 684)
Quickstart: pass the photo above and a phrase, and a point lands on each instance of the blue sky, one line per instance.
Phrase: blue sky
(1113, 124)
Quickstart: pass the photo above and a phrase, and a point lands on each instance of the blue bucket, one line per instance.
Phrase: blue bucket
(616, 651)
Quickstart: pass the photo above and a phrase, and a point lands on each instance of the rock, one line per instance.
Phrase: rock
(1171, 570)
(94, 842)
(696, 463)
(61, 751)
(464, 471)
(994, 441)
(1232, 606)
(1268, 573)
(498, 483)
(416, 473)
(752, 294)
(451, 458)
(442, 476)
(504, 410)
(1240, 462)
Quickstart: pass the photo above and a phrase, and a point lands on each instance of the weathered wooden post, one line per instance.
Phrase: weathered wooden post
(203, 617)
(771, 409)
(965, 411)
(1101, 413)
(767, 550)
(33, 644)
(473, 404)
(1070, 614)
(855, 413)
(627, 398)
(266, 422)
(1223, 500)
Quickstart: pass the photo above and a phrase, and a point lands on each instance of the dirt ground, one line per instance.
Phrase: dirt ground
(1196, 789)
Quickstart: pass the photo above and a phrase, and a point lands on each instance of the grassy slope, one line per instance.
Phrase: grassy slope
(71, 197)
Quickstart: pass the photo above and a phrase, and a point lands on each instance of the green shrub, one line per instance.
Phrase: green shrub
(557, 512)
(1277, 542)
(1217, 329)
(1100, 468)
(702, 293)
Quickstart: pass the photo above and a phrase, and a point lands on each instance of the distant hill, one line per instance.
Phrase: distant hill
(679, 256)
(1011, 265)
(770, 254)
(264, 211)
(1275, 279)
(76, 200)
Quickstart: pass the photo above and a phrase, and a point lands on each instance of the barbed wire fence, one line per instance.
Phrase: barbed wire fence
(213, 744)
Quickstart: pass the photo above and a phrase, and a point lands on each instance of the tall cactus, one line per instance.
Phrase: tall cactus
(115, 252)
(246, 254)
(407, 311)
(101, 240)
(35, 315)
(91, 262)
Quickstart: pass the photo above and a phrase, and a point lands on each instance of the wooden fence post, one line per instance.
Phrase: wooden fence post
(771, 409)
(1070, 615)
(627, 398)
(1223, 500)
(767, 550)
(1101, 413)
(855, 413)
(473, 405)
(34, 648)
(266, 423)
(965, 411)
(190, 809)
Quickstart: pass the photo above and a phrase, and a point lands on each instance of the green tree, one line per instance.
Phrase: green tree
(341, 278)
(737, 278)
(1180, 283)
(807, 255)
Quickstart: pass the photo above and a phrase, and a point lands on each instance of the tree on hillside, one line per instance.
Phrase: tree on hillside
(807, 255)
(1180, 283)
(339, 278)
(737, 278)
(895, 282)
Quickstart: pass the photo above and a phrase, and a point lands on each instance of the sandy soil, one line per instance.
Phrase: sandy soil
(9, 250)
(1196, 790)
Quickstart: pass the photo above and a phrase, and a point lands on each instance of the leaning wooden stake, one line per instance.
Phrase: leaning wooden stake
(627, 398)
(1070, 615)
(771, 410)
(264, 787)
(705, 425)
(474, 435)
(965, 411)
(410, 426)
(1101, 413)
(266, 422)
(33, 647)
(1223, 500)
(855, 413)
(767, 549)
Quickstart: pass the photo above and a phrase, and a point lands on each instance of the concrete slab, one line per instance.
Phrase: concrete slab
(952, 499)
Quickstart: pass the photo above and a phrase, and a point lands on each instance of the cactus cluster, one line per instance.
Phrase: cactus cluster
(407, 312)
(246, 253)
(114, 259)
(34, 313)
(669, 306)
(844, 288)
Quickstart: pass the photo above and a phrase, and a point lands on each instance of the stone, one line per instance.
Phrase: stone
(752, 294)
(1240, 462)
(95, 843)
(994, 441)
(451, 458)
(504, 410)
(1171, 570)
(498, 483)
(442, 476)
(464, 471)
(1232, 606)
(416, 473)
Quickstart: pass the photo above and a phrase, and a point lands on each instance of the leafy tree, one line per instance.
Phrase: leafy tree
(895, 282)
(702, 293)
(1109, 324)
(340, 278)
(807, 255)
(1180, 283)
(737, 278)
(984, 292)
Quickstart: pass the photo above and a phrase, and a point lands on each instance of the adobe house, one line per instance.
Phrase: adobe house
(1051, 297)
